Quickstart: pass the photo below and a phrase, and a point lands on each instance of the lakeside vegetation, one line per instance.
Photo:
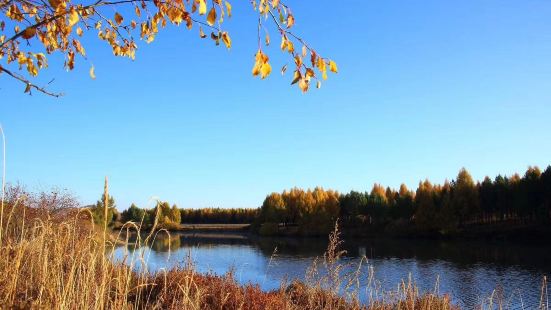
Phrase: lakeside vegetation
(55, 257)
(513, 206)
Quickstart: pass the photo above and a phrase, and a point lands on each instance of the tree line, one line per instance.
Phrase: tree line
(457, 205)
(431, 209)
(170, 216)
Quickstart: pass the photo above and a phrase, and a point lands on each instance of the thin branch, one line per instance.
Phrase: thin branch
(29, 84)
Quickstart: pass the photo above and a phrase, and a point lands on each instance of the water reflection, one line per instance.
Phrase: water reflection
(468, 271)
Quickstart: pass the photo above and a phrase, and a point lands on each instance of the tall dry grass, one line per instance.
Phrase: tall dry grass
(60, 260)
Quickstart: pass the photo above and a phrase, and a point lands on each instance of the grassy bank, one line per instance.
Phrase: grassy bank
(58, 260)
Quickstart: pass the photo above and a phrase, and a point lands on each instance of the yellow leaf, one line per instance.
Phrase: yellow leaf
(29, 33)
(211, 18)
(303, 85)
(226, 39)
(228, 8)
(55, 3)
(296, 77)
(79, 32)
(256, 68)
(118, 18)
(318, 84)
(283, 43)
(202, 7)
(333, 66)
(290, 46)
(73, 17)
(265, 70)
(175, 15)
(290, 21)
(267, 39)
(92, 73)
(304, 51)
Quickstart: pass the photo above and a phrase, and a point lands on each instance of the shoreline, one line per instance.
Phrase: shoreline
(502, 232)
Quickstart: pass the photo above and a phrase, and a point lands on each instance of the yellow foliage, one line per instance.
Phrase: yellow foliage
(54, 26)
(333, 66)
(226, 39)
(118, 18)
(211, 18)
(228, 8)
(73, 17)
(202, 7)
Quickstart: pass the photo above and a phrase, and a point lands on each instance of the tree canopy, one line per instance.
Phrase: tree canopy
(32, 30)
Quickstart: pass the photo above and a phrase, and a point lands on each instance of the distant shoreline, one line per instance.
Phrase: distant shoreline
(504, 232)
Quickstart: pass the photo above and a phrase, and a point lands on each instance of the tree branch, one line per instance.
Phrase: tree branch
(29, 84)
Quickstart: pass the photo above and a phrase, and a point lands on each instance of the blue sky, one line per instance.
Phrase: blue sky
(424, 88)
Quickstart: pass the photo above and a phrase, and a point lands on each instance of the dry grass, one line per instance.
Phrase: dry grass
(53, 257)
(61, 263)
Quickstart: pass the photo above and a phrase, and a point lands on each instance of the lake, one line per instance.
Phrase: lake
(469, 271)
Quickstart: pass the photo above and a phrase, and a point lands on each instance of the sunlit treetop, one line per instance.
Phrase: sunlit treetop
(31, 30)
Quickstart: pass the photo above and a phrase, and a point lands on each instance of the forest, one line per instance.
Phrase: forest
(457, 206)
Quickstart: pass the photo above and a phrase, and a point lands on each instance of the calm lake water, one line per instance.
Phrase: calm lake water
(468, 271)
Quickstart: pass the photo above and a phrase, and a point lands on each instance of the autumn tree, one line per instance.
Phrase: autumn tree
(273, 208)
(425, 208)
(464, 201)
(31, 31)
(403, 208)
(175, 214)
(314, 211)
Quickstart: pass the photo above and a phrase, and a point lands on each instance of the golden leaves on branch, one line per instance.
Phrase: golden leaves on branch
(58, 25)
(14, 13)
(284, 20)
(261, 65)
(73, 17)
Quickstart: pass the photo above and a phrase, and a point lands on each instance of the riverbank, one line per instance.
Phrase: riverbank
(58, 265)
(504, 231)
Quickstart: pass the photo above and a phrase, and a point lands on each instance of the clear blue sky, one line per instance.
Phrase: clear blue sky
(424, 88)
